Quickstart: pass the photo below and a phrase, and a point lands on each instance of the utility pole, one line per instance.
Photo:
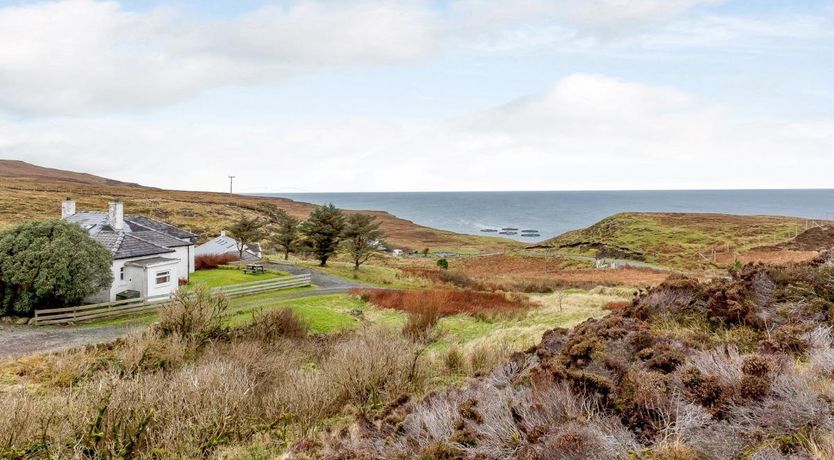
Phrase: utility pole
(231, 181)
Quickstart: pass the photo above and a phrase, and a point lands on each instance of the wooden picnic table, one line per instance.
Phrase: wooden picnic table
(254, 268)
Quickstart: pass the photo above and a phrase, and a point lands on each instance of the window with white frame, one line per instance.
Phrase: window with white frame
(163, 277)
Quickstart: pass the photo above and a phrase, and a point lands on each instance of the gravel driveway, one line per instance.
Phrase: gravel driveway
(23, 340)
(322, 280)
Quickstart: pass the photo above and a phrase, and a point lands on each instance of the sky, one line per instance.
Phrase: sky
(423, 95)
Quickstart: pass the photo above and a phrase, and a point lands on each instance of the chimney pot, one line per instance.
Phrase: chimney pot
(116, 215)
(67, 208)
(222, 232)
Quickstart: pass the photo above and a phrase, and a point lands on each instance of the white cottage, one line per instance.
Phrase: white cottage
(149, 256)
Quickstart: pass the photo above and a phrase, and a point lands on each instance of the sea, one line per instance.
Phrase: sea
(553, 213)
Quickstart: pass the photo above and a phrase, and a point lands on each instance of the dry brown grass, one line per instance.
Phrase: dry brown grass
(445, 302)
(222, 395)
(533, 274)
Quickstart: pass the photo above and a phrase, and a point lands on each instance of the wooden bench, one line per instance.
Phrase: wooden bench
(254, 269)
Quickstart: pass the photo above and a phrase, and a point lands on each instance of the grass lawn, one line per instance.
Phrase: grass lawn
(226, 276)
(237, 306)
(326, 314)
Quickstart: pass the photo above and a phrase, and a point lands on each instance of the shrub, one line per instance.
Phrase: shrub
(50, 264)
(195, 315)
(373, 366)
(272, 325)
(443, 263)
(209, 261)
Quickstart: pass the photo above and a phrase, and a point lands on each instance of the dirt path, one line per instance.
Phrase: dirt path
(24, 340)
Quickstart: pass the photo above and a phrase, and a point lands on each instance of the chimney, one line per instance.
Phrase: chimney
(222, 232)
(116, 215)
(67, 208)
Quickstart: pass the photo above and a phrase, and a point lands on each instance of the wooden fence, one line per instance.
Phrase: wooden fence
(258, 287)
(132, 306)
(97, 311)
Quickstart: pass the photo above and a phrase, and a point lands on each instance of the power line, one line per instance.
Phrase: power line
(231, 182)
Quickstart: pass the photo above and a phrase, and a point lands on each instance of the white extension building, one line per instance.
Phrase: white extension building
(225, 244)
(149, 256)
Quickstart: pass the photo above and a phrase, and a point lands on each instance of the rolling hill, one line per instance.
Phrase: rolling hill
(29, 192)
(19, 169)
(687, 240)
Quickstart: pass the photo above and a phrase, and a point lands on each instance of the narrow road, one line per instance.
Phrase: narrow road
(23, 340)
(320, 279)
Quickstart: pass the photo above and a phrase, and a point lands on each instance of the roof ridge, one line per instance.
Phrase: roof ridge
(128, 216)
(120, 239)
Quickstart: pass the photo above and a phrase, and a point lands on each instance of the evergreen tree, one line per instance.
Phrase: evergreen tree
(323, 231)
(50, 264)
(247, 230)
(285, 234)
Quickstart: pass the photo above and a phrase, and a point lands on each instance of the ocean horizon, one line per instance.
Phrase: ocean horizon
(553, 213)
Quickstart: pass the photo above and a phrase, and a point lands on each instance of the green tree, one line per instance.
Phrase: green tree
(247, 230)
(443, 263)
(50, 264)
(323, 231)
(285, 234)
(362, 234)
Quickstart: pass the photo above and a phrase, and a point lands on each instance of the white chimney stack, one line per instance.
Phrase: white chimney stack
(222, 232)
(67, 208)
(116, 215)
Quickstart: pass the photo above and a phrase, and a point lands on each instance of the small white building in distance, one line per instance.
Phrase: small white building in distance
(225, 244)
(149, 256)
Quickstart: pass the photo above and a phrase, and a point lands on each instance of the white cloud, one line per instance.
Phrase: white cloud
(75, 56)
(586, 132)
(84, 56)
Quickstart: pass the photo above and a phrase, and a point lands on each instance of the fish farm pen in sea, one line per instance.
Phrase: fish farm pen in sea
(510, 231)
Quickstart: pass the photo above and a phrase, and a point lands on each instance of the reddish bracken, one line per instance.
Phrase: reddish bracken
(446, 302)
(209, 261)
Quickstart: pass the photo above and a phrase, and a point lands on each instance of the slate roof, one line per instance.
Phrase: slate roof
(140, 237)
(135, 220)
(161, 239)
(224, 244)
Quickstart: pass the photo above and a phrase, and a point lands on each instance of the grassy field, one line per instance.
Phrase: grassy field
(226, 276)
(335, 313)
(560, 309)
(675, 240)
